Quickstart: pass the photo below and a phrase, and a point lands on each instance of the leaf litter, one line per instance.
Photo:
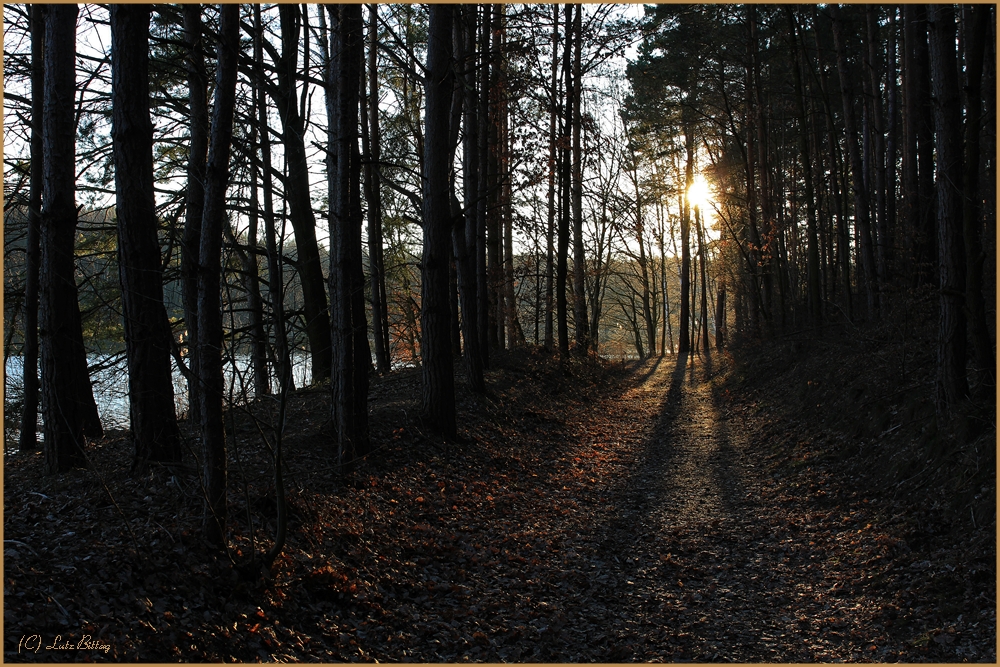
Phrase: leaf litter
(590, 511)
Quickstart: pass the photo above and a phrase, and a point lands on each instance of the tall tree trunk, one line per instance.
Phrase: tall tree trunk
(438, 372)
(297, 192)
(881, 231)
(258, 335)
(812, 239)
(464, 232)
(29, 413)
(683, 332)
(861, 211)
(494, 242)
(210, 333)
(891, 146)
(66, 396)
(352, 357)
(562, 250)
(579, 258)
(976, 21)
(147, 330)
(551, 222)
(482, 210)
(372, 145)
(195, 198)
(704, 281)
(952, 385)
(275, 281)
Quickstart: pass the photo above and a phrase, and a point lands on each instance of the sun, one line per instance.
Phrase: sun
(699, 194)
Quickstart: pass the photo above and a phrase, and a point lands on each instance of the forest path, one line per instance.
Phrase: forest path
(696, 560)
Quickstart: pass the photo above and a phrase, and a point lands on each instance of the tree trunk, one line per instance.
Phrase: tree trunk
(438, 372)
(464, 232)
(195, 198)
(881, 231)
(812, 243)
(68, 407)
(275, 282)
(861, 211)
(372, 140)
(147, 330)
(352, 357)
(952, 385)
(579, 258)
(551, 222)
(562, 250)
(482, 209)
(976, 20)
(683, 332)
(299, 201)
(704, 281)
(29, 412)
(210, 333)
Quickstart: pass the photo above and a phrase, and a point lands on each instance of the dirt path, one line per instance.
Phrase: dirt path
(695, 557)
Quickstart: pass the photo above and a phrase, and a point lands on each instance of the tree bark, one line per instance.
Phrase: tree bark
(579, 257)
(68, 405)
(29, 413)
(482, 210)
(952, 385)
(352, 356)
(372, 144)
(275, 281)
(684, 330)
(813, 291)
(976, 20)
(195, 197)
(550, 228)
(210, 332)
(464, 232)
(299, 200)
(862, 216)
(438, 372)
(147, 330)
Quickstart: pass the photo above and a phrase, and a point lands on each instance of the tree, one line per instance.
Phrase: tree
(464, 232)
(210, 332)
(952, 385)
(349, 333)
(147, 330)
(435, 319)
(297, 193)
(195, 198)
(371, 142)
(29, 414)
(68, 409)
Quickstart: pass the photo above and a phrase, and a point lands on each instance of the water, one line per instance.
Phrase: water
(110, 382)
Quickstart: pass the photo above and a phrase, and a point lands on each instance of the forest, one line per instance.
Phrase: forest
(559, 332)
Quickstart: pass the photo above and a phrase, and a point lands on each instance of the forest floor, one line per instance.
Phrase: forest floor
(671, 510)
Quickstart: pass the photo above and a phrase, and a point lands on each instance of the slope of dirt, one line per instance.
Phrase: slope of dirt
(589, 512)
